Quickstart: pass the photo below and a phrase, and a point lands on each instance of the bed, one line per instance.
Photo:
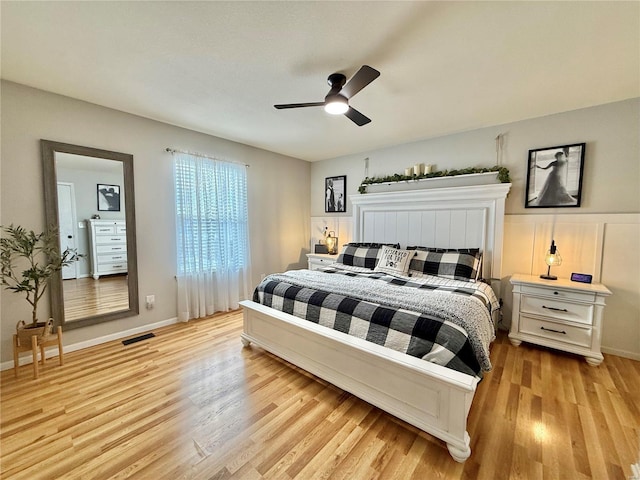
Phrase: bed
(431, 396)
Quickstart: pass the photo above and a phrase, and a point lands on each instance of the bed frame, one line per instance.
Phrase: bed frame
(431, 397)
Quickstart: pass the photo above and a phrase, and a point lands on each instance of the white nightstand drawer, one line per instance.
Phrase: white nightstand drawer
(320, 260)
(559, 293)
(558, 309)
(556, 331)
(323, 261)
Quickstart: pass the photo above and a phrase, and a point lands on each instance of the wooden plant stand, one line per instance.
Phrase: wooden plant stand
(50, 340)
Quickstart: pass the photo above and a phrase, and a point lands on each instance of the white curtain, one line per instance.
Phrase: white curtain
(212, 235)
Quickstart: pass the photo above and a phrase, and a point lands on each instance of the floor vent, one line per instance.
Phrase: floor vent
(129, 341)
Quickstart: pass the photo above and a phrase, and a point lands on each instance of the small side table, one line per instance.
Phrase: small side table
(48, 341)
(319, 260)
(559, 314)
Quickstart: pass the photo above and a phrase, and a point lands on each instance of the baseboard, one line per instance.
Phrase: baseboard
(53, 352)
(621, 353)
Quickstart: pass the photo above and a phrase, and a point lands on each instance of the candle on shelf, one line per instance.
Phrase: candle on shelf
(418, 168)
(428, 168)
(408, 171)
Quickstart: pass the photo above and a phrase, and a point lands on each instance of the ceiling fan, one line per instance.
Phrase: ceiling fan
(337, 100)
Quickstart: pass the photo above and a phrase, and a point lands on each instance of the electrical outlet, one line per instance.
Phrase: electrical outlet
(150, 300)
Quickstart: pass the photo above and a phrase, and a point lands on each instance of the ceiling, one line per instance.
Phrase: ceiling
(219, 67)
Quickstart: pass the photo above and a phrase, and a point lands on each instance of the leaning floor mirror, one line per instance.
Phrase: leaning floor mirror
(89, 200)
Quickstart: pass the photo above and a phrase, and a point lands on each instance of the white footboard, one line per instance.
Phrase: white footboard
(431, 397)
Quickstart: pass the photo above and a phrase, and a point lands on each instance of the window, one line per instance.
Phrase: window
(211, 215)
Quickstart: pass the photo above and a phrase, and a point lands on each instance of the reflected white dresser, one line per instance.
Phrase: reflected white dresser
(108, 246)
(559, 314)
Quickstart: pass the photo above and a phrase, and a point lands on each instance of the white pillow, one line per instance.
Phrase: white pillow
(394, 261)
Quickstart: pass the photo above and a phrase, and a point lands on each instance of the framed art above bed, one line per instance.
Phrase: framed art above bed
(335, 194)
(554, 176)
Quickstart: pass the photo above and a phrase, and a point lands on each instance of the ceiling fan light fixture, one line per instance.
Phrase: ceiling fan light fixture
(336, 102)
(337, 105)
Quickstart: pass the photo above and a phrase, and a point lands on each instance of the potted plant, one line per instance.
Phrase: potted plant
(28, 261)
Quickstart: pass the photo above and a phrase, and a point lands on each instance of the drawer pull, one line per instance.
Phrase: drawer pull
(120, 266)
(555, 309)
(552, 330)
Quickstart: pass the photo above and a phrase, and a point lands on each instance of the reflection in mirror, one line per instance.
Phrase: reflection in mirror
(89, 198)
(97, 283)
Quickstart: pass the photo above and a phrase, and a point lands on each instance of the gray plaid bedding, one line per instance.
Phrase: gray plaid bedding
(447, 322)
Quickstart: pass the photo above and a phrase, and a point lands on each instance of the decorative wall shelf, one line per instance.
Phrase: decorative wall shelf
(486, 178)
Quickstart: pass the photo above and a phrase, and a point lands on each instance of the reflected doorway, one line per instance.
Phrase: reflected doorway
(67, 225)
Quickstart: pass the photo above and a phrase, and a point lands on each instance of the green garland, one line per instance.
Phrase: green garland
(503, 176)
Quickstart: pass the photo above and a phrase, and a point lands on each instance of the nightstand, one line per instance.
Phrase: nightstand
(559, 314)
(319, 260)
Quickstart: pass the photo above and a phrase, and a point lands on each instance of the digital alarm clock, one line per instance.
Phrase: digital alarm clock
(581, 277)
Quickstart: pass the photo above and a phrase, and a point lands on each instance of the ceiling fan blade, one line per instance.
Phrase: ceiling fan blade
(299, 105)
(361, 79)
(356, 117)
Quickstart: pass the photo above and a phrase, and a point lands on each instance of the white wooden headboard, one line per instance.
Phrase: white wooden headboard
(448, 217)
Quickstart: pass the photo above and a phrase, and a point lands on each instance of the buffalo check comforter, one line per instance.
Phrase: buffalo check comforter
(448, 322)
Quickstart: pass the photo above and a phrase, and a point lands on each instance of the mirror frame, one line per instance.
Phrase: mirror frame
(50, 179)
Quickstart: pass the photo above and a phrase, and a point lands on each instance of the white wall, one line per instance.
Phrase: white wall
(602, 236)
(611, 170)
(278, 203)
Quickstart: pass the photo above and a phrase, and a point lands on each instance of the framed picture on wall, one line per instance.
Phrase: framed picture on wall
(554, 176)
(335, 194)
(108, 198)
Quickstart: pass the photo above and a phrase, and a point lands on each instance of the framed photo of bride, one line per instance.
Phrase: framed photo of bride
(554, 176)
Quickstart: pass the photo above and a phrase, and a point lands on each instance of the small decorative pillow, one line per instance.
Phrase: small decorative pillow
(394, 261)
(458, 264)
(363, 255)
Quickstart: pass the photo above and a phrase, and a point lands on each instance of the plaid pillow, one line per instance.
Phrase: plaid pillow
(457, 264)
(360, 254)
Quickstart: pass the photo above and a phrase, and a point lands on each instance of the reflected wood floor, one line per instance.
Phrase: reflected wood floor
(192, 403)
(86, 297)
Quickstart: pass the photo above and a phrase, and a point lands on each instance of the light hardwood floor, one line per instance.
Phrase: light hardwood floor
(192, 403)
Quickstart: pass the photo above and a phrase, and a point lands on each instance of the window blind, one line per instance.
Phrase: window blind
(211, 215)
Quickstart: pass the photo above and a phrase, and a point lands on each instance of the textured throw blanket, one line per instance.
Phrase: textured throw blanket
(464, 311)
